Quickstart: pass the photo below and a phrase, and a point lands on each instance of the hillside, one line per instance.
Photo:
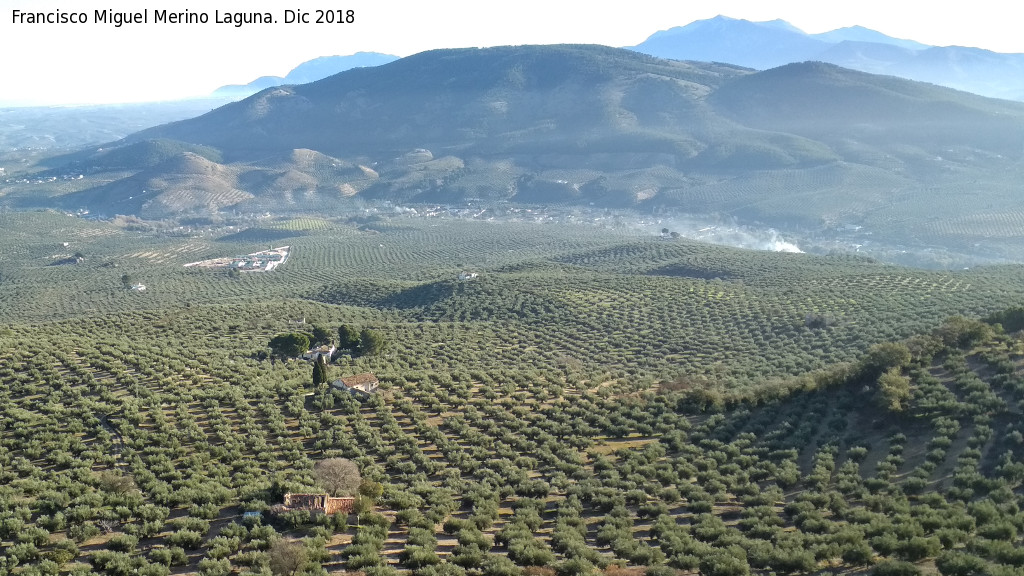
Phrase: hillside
(529, 99)
(594, 401)
(184, 182)
(609, 299)
(817, 99)
(810, 146)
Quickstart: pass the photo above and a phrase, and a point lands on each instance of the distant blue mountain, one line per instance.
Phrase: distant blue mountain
(758, 45)
(324, 66)
(873, 57)
(309, 71)
(862, 34)
(763, 45)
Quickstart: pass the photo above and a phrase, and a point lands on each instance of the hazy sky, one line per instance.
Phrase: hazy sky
(97, 62)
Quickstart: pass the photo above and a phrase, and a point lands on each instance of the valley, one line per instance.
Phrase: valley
(910, 172)
(563, 310)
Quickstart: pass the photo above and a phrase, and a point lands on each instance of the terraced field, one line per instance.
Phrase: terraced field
(486, 470)
(606, 301)
(593, 400)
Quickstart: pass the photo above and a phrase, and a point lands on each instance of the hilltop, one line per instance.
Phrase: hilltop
(308, 71)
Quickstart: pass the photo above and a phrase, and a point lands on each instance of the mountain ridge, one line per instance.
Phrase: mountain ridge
(308, 71)
(811, 145)
(764, 45)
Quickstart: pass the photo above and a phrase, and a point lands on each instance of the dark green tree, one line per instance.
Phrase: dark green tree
(348, 338)
(370, 489)
(963, 332)
(1012, 319)
(371, 342)
(292, 344)
(320, 376)
(883, 357)
(321, 335)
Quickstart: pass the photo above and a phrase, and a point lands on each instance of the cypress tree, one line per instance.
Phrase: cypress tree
(319, 371)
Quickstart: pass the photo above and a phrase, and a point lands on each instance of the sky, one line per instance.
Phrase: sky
(96, 62)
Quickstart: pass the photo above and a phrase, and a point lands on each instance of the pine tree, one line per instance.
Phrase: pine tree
(348, 338)
(371, 342)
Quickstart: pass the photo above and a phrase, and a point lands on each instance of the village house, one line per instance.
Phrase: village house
(318, 503)
(325, 351)
(364, 384)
